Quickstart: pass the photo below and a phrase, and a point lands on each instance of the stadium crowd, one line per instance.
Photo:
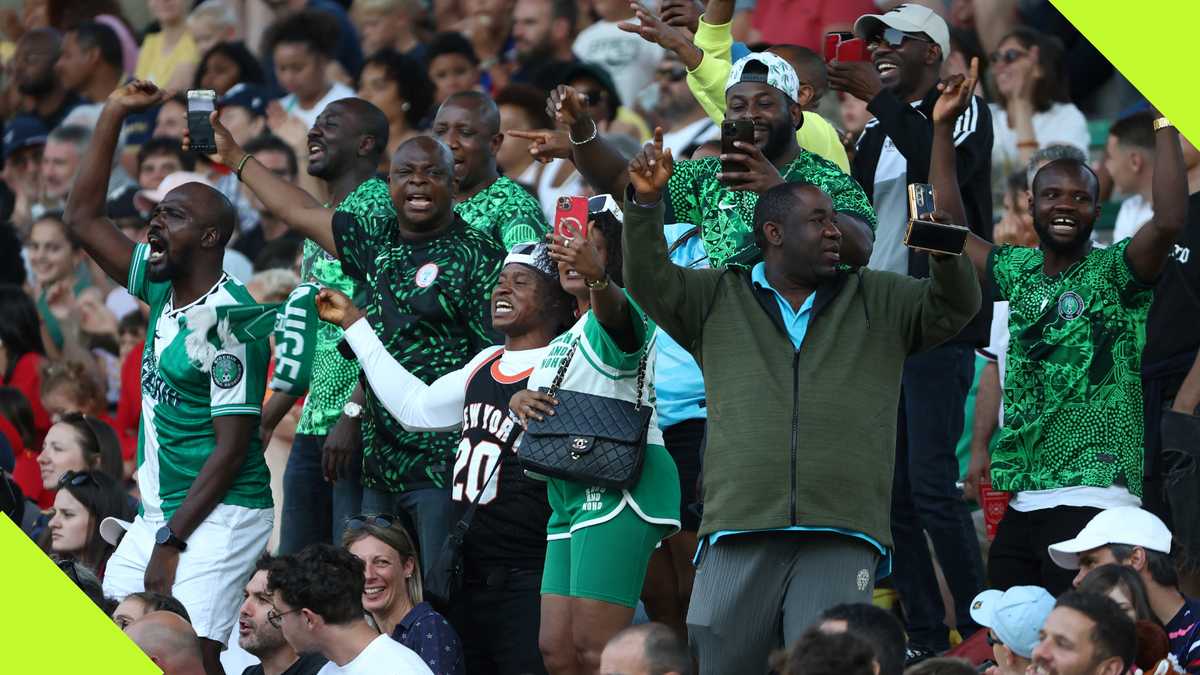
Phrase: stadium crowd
(594, 336)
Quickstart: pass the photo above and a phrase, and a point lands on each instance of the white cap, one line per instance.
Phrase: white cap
(910, 19)
(1015, 615)
(780, 73)
(145, 200)
(1127, 525)
(112, 529)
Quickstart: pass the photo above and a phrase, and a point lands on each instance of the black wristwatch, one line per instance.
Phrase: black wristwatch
(165, 537)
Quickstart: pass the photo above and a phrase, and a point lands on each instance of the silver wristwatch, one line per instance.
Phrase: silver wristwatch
(352, 410)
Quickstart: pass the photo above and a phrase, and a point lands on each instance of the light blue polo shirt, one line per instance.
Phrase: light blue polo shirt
(796, 322)
(678, 382)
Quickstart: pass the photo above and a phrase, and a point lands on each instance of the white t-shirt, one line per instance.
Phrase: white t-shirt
(384, 656)
(997, 348)
(1060, 123)
(700, 131)
(1135, 212)
(292, 105)
(629, 60)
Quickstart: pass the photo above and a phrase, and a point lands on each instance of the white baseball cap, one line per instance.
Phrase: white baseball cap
(780, 74)
(1127, 525)
(1015, 615)
(113, 528)
(145, 200)
(910, 19)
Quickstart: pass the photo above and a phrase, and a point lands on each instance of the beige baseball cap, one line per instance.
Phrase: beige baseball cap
(910, 19)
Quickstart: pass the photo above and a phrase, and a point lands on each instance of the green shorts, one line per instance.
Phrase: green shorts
(605, 562)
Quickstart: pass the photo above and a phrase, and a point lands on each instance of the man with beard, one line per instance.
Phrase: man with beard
(1086, 634)
(686, 124)
(469, 124)
(320, 487)
(46, 98)
(206, 501)
(543, 32)
(1071, 444)
(262, 639)
(429, 284)
(908, 46)
(762, 88)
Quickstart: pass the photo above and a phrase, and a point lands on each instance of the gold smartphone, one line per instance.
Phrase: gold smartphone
(923, 234)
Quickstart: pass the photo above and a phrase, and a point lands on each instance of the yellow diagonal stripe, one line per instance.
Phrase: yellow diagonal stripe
(47, 625)
(1152, 43)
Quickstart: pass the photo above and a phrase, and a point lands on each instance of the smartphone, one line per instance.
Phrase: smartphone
(832, 40)
(844, 47)
(571, 217)
(733, 131)
(200, 105)
(920, 200)
(931, 237)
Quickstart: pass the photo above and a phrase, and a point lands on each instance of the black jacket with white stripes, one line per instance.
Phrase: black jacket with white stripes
(911, 129)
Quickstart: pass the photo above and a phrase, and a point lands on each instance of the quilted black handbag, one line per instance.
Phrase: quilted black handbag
(590, 439)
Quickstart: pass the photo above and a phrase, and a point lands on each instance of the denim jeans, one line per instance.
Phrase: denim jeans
(926, 499)
(315, 510)
(430, 511)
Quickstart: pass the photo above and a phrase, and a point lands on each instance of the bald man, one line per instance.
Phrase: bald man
(646, 649)
(469, 124)
(206, 502)
(169, 641)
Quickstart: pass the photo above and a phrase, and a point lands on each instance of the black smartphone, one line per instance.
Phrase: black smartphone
(200, 104)
(926, 235)
(731, 132)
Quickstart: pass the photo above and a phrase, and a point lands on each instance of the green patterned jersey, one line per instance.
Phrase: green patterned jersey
(430, 304)
(180, 400)
(726, 216)
(333, 376)
(1073, 389)
(505, 211)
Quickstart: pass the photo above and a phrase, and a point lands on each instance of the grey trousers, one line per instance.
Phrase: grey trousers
(758, 592)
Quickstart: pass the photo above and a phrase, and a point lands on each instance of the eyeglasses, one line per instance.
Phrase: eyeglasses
(364, 520)
(894, 37)
(1008, 55)
(676, 74)
(76, 478)
(275, 617)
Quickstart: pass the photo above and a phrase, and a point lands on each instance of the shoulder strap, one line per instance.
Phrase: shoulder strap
(464, 523)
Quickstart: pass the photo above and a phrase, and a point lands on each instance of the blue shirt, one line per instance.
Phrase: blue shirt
(433, 639)
(796, 322)
(678, 382)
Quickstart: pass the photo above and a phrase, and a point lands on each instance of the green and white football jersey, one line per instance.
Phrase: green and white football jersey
(180, 400)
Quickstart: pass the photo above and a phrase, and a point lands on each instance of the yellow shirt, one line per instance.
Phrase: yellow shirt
(159, 66)
(707, 83)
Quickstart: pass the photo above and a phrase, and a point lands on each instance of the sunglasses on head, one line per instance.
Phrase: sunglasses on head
(894, 37)
(364, 520)
(76, 478)
(1008, 55)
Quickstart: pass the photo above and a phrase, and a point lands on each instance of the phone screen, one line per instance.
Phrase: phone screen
(200, 104)
(571, 217)
(936, 237)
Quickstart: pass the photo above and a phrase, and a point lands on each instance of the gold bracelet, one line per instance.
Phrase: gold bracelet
(1162, 123)
(597, 285)
(241, 165)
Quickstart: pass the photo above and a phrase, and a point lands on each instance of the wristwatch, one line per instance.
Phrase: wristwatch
(352, 410)
(1162, 123)
(165, 537)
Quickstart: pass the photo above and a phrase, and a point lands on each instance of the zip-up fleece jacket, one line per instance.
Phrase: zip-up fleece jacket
(797, 437)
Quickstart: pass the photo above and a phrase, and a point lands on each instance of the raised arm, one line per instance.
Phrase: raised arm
(1147, 252)
(300, 210)
(957, 94)
(600, 163)
(609, 304)
(85, 214)
(416, 405)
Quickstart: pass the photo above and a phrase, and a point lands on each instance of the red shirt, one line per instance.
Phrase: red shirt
(129, 404)
(27, 376)
(805, 22)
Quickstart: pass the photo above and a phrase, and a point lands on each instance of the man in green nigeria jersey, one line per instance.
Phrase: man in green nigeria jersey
(320, 487)
(206, 511)
(1071, 445)
(428, 278)
(469, 124)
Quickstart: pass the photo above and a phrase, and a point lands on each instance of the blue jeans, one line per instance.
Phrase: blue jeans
(430, 511)
(315, 510)
(926, 499)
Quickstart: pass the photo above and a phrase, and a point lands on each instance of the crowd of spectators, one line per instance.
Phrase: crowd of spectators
(297, 373)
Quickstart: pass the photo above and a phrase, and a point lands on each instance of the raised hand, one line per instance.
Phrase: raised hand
(137, 96)
(956, 92)
(579, 254)
(759, 174)
(568, 108)
(228, 151)
(545, 145)
(682, 14)
(655, 30)
(860, 79)
(651, 169)
(334, 307)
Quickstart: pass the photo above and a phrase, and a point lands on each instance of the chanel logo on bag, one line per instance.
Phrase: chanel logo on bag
(579, 444)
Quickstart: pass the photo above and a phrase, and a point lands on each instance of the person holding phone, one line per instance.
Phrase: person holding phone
(796, 422)
(1071, 444)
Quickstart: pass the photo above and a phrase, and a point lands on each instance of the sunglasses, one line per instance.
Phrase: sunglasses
(365, 520)
(1008, 56)
(76, 478)
(672, 74)
(895, 38)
